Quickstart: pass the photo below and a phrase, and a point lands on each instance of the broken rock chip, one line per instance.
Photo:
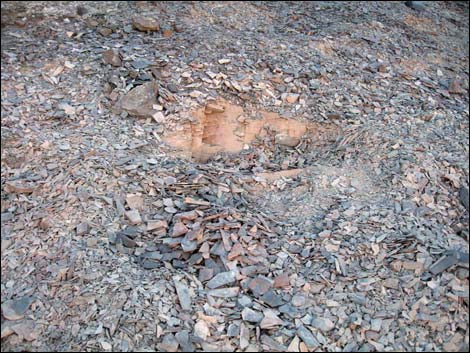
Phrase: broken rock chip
(282, 281)
(152, 225)
(15, 309)
(251, 316)
(112, 57)
(270, 320)
(139, 101)
(82, 228)
(323, 324)
(221, 279)
(224, 292)
(145, 24)
(134, 217)
(183, 295)
(179, 229)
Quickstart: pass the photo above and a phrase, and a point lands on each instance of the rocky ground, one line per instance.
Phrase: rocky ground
(221, 176)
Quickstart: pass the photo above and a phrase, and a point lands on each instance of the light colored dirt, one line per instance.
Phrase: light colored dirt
(231, 130)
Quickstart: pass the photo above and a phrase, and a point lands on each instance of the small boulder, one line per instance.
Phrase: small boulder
(139, 101)
(145, 24)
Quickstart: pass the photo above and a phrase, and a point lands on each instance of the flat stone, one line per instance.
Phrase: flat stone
(323, 324)
(224, 292)
(188, 245)
(152, 225)
(16, 308)
(272, 299)
(140, 64)
(221, 279)
(282, 281)
(244, 336)
(260, 285)
(270, 320)
(179, 229)
(237, 250)
(251, 315)
(307, 337)
(183, 295)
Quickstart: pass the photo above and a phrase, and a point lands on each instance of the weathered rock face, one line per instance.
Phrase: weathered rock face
(139, 101)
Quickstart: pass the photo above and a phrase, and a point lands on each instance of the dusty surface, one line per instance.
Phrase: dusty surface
(292, 176)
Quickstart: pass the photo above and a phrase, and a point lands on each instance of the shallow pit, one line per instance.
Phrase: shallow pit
(225, 127)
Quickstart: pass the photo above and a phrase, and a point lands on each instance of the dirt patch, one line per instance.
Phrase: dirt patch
(229, 129)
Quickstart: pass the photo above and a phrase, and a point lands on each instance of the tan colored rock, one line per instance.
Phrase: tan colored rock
(286, 140)
(134, 217)
(291, 98)
(212, 108)
(145, 24)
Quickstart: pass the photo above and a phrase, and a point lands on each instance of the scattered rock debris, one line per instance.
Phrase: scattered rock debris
(258, 176)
